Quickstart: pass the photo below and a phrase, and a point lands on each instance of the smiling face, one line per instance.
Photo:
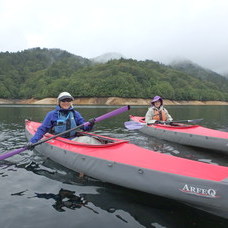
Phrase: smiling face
(65, 103)
(157, 104)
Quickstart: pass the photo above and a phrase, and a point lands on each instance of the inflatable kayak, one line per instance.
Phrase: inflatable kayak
(200, 185)
(190, 135)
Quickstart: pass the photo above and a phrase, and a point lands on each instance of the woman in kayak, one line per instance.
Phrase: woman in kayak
(157, 112)
(61, 119)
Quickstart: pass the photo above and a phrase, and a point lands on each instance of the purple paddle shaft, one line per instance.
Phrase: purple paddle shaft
(100, 118)
(11, 153)
(113, 113)
(110, 114)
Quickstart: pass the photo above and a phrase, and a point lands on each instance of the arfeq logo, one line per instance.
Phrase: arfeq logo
(204, 192)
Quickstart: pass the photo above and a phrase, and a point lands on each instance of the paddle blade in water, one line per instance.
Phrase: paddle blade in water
(132, 125)
(11, 153)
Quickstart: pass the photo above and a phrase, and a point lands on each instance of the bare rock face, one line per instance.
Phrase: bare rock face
(46, 101)
(109, 101)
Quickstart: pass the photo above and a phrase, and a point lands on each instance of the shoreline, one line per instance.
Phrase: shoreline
(108, 101)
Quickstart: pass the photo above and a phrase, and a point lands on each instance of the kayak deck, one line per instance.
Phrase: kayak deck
(121, 151)
(201, 185)
(184, 128)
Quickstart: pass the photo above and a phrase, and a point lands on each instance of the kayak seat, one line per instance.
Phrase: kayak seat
(87, 140)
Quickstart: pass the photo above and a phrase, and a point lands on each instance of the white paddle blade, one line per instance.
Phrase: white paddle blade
(132, 125)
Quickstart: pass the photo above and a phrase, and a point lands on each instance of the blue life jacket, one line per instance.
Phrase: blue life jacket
(50, 121)
(64, 123)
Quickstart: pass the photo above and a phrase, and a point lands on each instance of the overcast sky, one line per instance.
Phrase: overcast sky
(159, 30)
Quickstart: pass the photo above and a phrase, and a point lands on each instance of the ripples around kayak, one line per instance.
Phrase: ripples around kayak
(37, 192)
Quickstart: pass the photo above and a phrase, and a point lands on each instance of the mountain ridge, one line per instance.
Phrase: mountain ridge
(39, 73)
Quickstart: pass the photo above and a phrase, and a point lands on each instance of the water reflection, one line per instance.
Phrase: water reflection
(5, 167)
(149, 210)
(129, 206)
(64, 199)
(72, 194)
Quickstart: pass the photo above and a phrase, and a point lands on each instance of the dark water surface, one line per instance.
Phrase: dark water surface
(36, 192)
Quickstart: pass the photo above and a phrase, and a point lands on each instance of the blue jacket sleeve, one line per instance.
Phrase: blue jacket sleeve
(43, 128)
(80, 120)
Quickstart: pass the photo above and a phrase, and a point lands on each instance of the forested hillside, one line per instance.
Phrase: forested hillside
(40, 73)
(19, 72)
(200, 72)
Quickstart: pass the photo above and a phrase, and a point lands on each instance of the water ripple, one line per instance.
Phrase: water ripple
(37, 192)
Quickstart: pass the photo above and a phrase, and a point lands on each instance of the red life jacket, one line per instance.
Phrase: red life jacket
(159, 115)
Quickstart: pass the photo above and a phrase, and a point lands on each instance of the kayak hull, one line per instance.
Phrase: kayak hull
(197, 189)
(188, 135)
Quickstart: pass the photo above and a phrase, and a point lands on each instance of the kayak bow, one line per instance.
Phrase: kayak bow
(200, 185)
(190, 135)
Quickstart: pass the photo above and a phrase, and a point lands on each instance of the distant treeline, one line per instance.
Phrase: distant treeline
(39, 73)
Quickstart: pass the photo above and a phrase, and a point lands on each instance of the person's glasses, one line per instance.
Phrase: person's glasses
(66, 100)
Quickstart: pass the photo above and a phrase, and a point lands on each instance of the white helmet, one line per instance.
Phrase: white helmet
(63, 96)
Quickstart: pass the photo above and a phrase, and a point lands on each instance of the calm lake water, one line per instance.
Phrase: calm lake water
(36, 192)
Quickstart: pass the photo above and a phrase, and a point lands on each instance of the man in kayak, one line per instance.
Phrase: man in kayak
(157, 112)
(61, 119)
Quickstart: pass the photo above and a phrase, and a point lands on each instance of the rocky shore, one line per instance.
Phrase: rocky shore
(108, 101)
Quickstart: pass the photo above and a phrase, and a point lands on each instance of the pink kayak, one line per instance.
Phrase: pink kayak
(200, 185)
(190, 135)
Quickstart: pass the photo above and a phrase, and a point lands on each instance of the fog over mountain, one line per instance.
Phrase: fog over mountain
(196, 70)
(139, 29)
(107, 56)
